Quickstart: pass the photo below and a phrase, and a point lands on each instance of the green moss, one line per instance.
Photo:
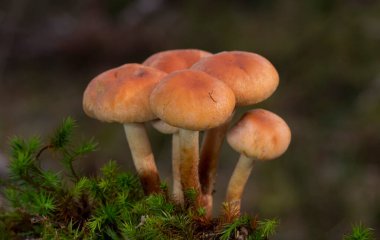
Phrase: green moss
(49, 205)
(360, 232)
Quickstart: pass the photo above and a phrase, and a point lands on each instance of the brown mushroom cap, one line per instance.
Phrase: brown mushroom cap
(192, 100)
(252, 77)
(122, 94)
(260, 134)
(173, 60)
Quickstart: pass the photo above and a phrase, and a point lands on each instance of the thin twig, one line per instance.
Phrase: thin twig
(42, 150)
(70, 162)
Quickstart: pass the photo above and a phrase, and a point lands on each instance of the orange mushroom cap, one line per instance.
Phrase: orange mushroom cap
(260, 134)
(173, 60)
(252, 77)
(122, 94)
(192, 100)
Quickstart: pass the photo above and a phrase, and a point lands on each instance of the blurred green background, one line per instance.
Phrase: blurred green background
(326, 51)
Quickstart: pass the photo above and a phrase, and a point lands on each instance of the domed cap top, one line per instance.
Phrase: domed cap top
(173, 60)
(122, 94)
(252, 77)
(260, 134)
(192, 100)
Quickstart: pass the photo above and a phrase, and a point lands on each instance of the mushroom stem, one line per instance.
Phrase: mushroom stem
(189, 160)
(142, 156)
(165, 128)
(177, 188)
(208, 164)
(238, 180)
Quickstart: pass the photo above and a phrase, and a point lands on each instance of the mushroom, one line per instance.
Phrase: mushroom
(191, 101)
(259, 135)
(253, 79)
(122, 95)
(165, 128)
(174, 60)
(170, 61)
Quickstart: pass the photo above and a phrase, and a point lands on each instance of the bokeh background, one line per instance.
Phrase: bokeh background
(326, 51)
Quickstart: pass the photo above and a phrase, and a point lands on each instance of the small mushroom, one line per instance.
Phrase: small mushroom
(170, 61)
(259, 135)
(122, 95)
(191, 101)
(253, 79)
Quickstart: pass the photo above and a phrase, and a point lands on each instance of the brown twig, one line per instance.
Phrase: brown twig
(42, 150)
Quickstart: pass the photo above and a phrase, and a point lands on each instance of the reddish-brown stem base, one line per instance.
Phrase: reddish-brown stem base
(143, 158)
(208, 164)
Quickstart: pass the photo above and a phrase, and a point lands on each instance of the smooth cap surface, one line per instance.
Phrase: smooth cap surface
(260, 134)
(174, 60)
(252, 77)
(192, 100)
(122, 94)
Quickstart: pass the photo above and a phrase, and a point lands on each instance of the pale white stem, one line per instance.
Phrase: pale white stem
(177, 187)
(238, 181)
(142, 156)
(165, 128)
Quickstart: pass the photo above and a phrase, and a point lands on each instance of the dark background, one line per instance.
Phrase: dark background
(327, 53)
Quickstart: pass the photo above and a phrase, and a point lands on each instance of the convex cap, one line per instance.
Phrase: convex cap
(252, 77)
(173, 60)
(122, 94)
(260, 134)
(192, 100)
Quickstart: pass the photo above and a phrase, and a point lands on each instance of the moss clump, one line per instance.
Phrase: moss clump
(64, 205)
(360, 232)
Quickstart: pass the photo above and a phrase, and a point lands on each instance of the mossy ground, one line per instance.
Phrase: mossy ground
(42, 204)
(64, 205)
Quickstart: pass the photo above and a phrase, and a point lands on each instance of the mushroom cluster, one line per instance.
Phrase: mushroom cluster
(183, 92)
